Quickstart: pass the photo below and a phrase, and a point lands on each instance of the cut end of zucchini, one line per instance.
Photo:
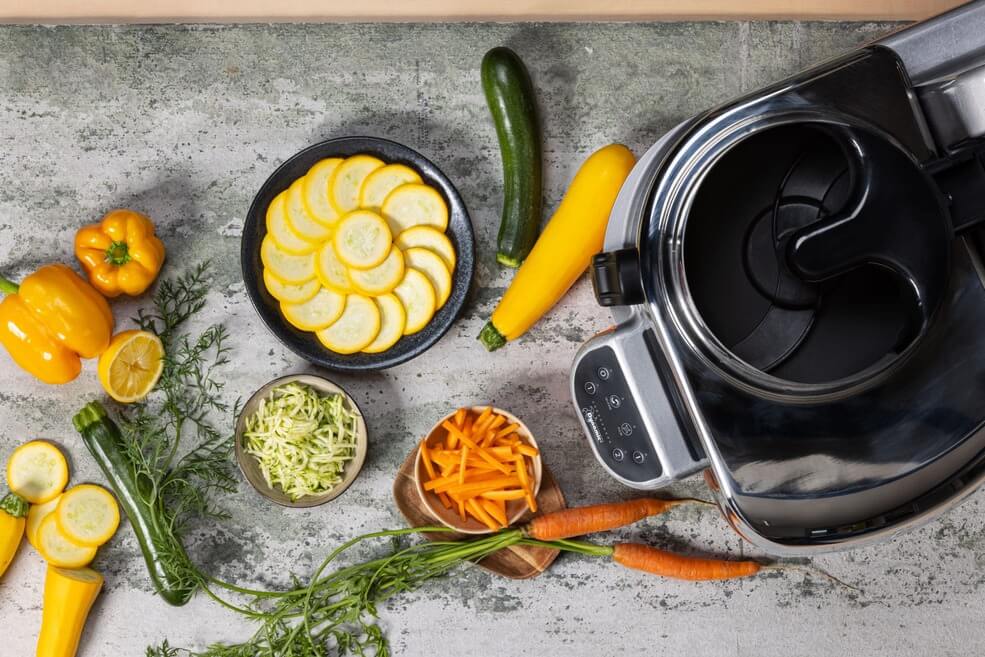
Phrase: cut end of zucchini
(491, 338)
(37, 471)
(14, 505)
(508, 261)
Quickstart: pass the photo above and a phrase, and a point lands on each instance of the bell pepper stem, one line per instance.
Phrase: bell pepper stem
(8, 287)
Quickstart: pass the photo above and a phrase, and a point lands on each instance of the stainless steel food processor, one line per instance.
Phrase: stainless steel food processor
(797, 285)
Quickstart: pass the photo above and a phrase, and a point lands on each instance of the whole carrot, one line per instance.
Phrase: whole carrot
(660, 562)
(598, 517)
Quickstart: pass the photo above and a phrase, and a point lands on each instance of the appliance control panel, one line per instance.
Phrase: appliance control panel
(609, 411)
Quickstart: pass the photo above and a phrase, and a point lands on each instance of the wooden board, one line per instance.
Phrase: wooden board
(515, 562)
(88, 11)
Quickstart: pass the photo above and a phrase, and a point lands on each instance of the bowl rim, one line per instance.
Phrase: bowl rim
(428, 499)
(464, 270)
(357, 462)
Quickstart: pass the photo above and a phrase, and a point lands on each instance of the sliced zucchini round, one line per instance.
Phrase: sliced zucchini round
(393, 317)
(355, 329)
(289, 292)
(384, 180)
(347, 180)
(87, 515)
(280, 231)
(58, 550)
(35, 515)
(315, 191)
(289, 268)
(316, 313)
(331, 272)
(428, 238)
(431, 265)
(362, 239)
(299, 220)
(415, 204)
(418, 298)
(37, 471)
(382, 278)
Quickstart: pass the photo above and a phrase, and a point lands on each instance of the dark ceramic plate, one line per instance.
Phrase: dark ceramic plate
(306, 344)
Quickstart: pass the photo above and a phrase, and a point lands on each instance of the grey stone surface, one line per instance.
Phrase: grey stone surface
(185, 123)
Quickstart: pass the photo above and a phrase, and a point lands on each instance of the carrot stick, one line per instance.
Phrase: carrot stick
(481, 514)
(493, 510)
(527, 450)
(461, 465)
(461, 510)
(482, 486)
(597, 518)
(480, 450)
(508, 494)
(660, 562)
(521, 470)
(460, 417)
(426, 457)
(503, 433)
(445, 501)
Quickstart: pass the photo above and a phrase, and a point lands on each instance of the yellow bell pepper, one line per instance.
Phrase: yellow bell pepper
(13, 516)
(68, 597)
(51, 320)
(120, 253)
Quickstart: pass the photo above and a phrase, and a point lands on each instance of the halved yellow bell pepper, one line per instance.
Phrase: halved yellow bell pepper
(13, 512)
(120, 253)
(51, 320)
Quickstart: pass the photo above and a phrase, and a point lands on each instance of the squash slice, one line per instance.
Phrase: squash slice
(37, 471)
(331, 272)
(87, 515)
(289, 268)
(431, 265)
(347, 180)
(58, 550)
(362, 239)
(393, 317)
(289, 292)
(316, 313)
(384, 180)
(418, 298)
(428, 238)
(355, 329)
(315, 191)
(415, 204)
(382, 278)
(277, 228)
(35, 515)
(299, 220)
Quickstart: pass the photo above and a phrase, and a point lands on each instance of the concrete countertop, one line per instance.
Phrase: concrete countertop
(185, 123)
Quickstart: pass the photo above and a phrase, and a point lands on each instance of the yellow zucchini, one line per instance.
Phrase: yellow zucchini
(68, 597)
(355, 329)
(393, 317)
(565, 248)
(382, 278)
(418, 298)
(431, 265)
(13, 512)
(362, 239)
(37, 471)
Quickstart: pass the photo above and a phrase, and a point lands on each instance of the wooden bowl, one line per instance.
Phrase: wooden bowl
(449, 517)
(250, 468)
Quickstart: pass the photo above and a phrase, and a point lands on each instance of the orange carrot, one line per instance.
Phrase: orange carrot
(445, 501)
(481, 514)
(508, 494)
(527, 450)
(461, 465)
(426, 457)
(482, 486)
(479, 450)
(521, 470)
(460, 417)
(597, 518)
(493, 509)
(503, 433)
(461, 509)
(660, 562)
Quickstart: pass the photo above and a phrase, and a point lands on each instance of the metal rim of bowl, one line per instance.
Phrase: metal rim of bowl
(426, 498)
(308, 501)
(304, 344)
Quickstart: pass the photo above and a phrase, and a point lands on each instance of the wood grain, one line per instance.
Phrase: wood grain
(456, 10)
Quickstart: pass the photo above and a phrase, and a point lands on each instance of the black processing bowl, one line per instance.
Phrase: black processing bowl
(305, 344)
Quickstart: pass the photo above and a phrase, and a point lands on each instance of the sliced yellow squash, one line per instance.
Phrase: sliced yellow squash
(355, 329)
(317, 312)
(331, 272)
(415, 204)
(87, 515)
(362, 239)
(280, 231)
(35, 515)
(384, 180)
(289, 292)
(393, 317)
(37, 471)
(315, 191)
(58, 550)
(347, 180)
(289, 268)
(428, 238)
(431, 265)
(382, 278)
(299, 220)
(418, 298)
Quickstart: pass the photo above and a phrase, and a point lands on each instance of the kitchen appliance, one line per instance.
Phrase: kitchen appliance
(797, 283)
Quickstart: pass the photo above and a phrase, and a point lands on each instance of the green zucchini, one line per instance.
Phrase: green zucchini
(510, 96)
(167, 562)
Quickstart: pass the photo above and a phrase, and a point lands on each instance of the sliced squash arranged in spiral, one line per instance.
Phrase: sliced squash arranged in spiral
(356, 253)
